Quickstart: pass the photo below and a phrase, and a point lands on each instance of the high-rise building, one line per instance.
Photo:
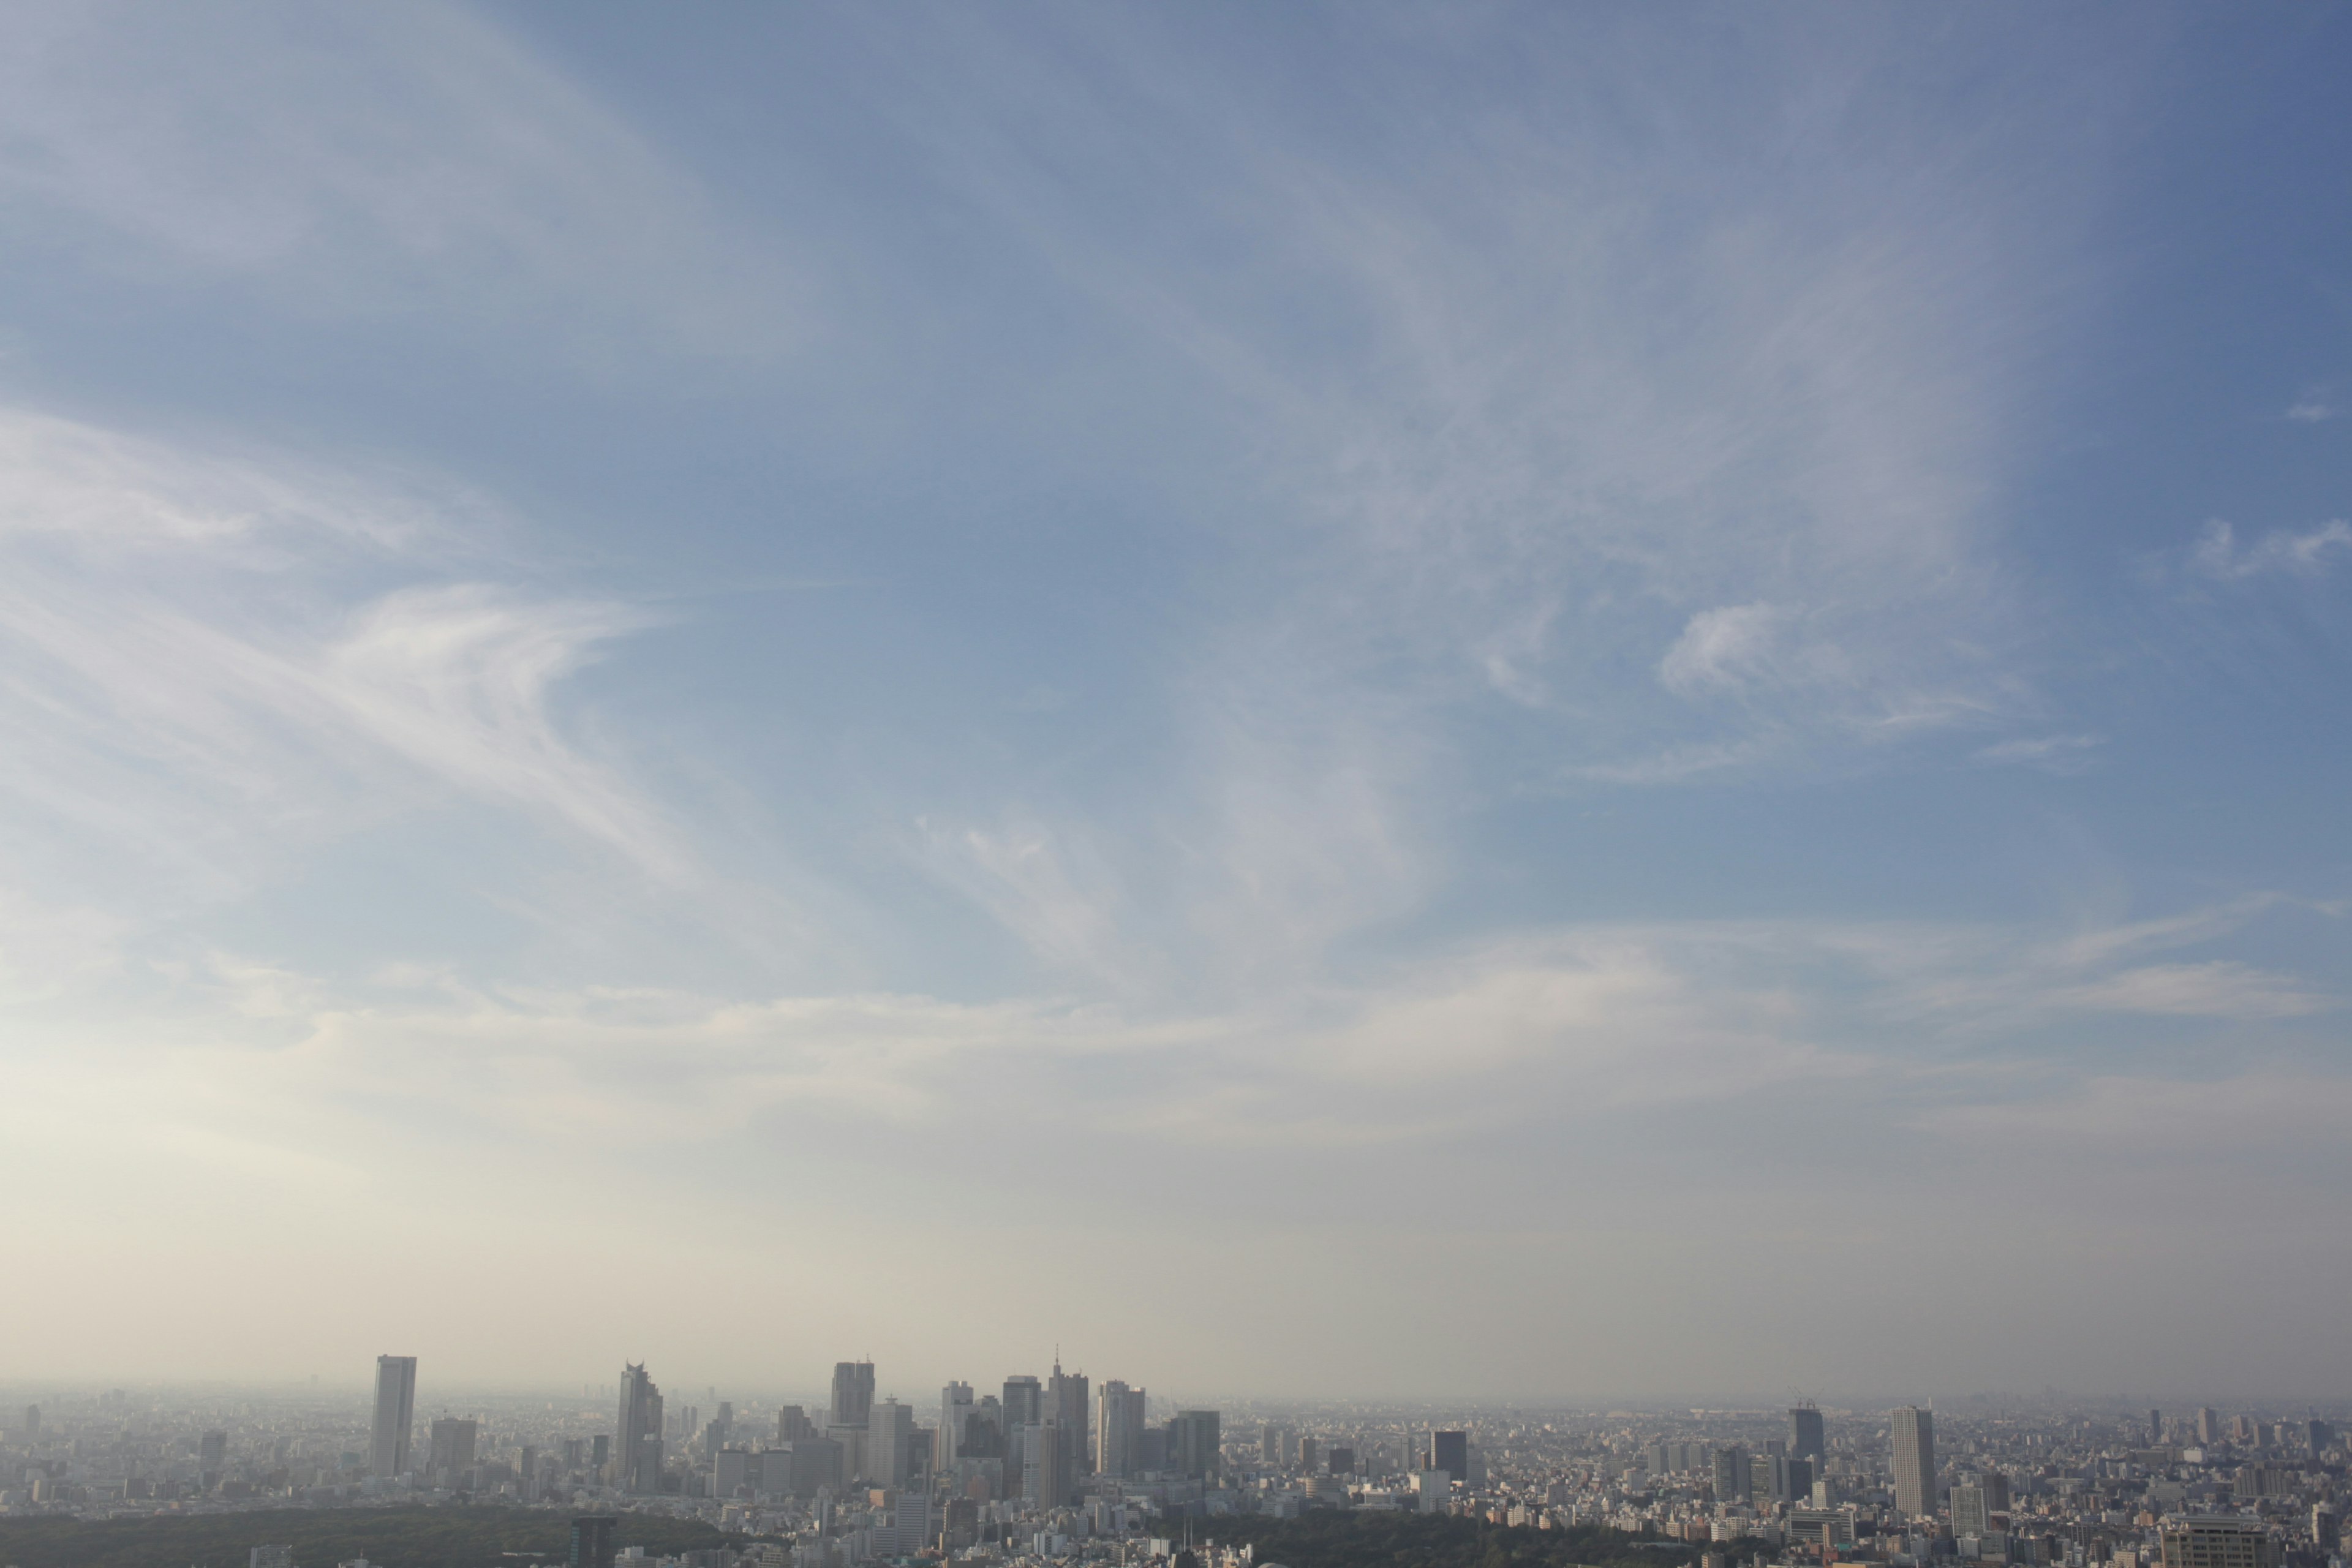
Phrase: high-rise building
(2318, 1435)
(792, 1424)
(212, 1450)
(889, 1427)
(2228, 1541)
(637, 1445)
(32, 1424)
(1309, 1450)
(1805, 1436)
(853, 1393)
(1067, 1405)
(955, 1410)
(395, 1415)
(1733, 1481)
(452, 1453)
(1024, 1406)
(592, 1541)
(1969, 1514)
(1450, 1452)
(1915, 1461)
(2155, 1428)
(1118, 1443)
(2209, 1425)
(1996, 1491)
(1196, 1443)
(1046, 1478)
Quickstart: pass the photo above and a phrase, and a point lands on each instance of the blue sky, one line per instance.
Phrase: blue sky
(1510, 700)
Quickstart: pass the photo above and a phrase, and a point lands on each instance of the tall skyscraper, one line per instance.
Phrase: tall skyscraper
(1196, 1438)
(452, 1452)
(1044, 1471)
(592, 1541)
(395, 1415)
(1733, 1478)
(1024, 1406)
(792, 1424)
(1067, 1405)
(2209, 1425)
(2318, 1435)
(853, 1393)
(1119, 1442)
(1450, 1452)
(889, 1429)
(1969, 1515)
(955, 1409)
(212, 1451)
(1805, 1438)
(2155, 1428)
(1914, 1462)
(637, 1445)
(32, 1424)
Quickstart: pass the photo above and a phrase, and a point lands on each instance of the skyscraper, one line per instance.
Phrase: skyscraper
(1067, 1403)
(452, 1453)
(395, 1415)
(592, 1541)
(1969, 1515)
(1044, 1471)
(889, 1427)
(637, 1445)
(955, 1409)
(1450, 1452)
(1733, 1478)
(1805, 1439)
(853, 1393)
(1024, 1406)
(1915, 1461)
(1196, 1438)
(2209, 1425)
(1118, 1443)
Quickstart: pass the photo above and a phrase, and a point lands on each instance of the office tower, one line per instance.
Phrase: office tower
(600, 1452)
(1309, 1450)
(2326, 1528)
(727, 1416)
(637, 1445)
(395, 1415)
(2209, 1425)
(2155, 1428)
(792, 1424)
(1195, 1437)
(1782, 1478)
(1341, 1461)
(592, 1541)
(1067, 1405)
(955, 1411)
(2318, 1435)
(1450, 1452)
(32, 1424)
(1996, 1491)
(714, 1439)
(527, 1474)
(1269, 1443)
(452, 1452)
(1024, 1406)
(1914, 1462)
(1118, 1441)
(889, 1429)
(1045, 1477)
(212, 1450)
(2217, 1543)
(1969, 1514)
(1733, 1478)
(853, 1393)
(1430, 1490)
(1805, 1436)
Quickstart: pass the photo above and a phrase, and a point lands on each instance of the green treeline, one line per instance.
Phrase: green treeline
(392, 1537)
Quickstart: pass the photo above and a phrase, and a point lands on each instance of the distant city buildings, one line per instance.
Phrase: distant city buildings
(1915, 1461)
(395, 1415)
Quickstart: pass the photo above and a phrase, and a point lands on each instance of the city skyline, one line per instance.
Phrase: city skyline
(1502, 703)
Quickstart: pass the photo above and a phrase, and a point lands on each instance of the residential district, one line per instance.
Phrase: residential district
(1059, 1469)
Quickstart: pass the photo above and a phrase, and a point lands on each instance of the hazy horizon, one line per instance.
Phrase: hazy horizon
(1352, 700)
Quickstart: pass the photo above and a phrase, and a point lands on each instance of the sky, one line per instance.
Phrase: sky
(1464, 700)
